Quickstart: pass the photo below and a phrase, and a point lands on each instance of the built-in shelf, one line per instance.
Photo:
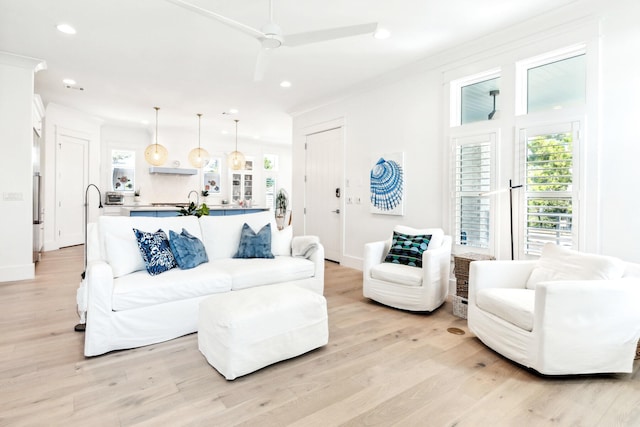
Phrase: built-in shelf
(172, 171)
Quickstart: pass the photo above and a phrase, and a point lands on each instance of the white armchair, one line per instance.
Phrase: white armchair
(567, 313)
(405, 287)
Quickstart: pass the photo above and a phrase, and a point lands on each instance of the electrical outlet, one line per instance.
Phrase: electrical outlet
(349, 200)
(357, 200)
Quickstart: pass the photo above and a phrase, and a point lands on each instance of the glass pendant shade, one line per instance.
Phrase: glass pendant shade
(236, 160)
(156, 154)
(199, 157)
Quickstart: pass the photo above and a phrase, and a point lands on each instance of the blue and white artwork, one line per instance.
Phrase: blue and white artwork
(387, 184)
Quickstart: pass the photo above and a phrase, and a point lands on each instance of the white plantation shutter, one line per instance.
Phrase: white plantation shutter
(550, 188)
(473, 176)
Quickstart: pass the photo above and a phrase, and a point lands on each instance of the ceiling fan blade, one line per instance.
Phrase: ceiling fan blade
(261, 64)
(329, 34)
(227, 21)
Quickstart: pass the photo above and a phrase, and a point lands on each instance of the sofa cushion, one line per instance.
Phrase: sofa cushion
(281, 241)
(248, 273)
(221, 234)
(155, 251)
(397, 273)
(512, 305)
(407, 249)
(254, 245)
(188, 250)
(558, 263)
(121, 226)
(123, 254)
(138, 289)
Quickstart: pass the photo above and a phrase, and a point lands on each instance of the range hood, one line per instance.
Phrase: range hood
(172, 171)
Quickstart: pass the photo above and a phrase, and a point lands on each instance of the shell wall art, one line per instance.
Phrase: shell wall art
(387, 184)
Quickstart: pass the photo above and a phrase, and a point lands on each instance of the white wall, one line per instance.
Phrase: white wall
(620, 112)
(401, 117)
(408, 111)
(16, 179)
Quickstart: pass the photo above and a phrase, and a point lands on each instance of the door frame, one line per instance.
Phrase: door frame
(318, 128)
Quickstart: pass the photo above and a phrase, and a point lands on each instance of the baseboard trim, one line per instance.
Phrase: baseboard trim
(352, 262)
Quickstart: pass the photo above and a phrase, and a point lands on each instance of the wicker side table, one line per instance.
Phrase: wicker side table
(461, 271)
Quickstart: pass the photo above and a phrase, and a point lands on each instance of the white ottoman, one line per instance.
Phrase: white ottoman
(242, 331)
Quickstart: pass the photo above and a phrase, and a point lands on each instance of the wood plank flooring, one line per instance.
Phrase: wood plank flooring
(382, 367)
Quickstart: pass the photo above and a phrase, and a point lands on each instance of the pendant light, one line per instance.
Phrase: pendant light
(199, 157)
(235, 160)
(156, 154)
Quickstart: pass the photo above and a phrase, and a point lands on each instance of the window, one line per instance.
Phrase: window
(472, 98)
(270, 191)
(553, 81)
(212, 176)
(473, 177)
(477, 100)
(271, 162)
(550, 191)
(123, 170)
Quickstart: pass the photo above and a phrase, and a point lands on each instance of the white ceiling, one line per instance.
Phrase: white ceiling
(132, 55)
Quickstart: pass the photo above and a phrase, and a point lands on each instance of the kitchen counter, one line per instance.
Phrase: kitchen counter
(172, 210)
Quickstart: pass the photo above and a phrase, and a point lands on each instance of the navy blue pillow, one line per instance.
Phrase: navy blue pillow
(188, 250)
(254, 245)
(407, 249)
(155, 251)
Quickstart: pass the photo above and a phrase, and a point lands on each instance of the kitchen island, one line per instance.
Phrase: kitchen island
(166, 210)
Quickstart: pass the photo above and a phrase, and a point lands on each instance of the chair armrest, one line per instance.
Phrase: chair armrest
(99, 327)
(498, 274)
(593, 317)
(374, 254)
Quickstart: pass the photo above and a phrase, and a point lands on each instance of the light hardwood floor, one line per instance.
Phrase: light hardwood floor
(381, 367)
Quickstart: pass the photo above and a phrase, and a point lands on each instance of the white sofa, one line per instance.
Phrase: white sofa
(401, 286)
(567, 313)
(126, 307)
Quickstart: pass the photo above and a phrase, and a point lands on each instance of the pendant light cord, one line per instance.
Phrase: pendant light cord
(236, 120)
(156, 108)
(199, 117)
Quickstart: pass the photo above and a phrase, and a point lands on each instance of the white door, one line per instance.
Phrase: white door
(323, 190)
(71, 181)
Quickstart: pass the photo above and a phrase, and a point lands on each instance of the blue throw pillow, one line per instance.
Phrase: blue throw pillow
(155, 251)
(254, 245)
(188, 250)
(407, 249)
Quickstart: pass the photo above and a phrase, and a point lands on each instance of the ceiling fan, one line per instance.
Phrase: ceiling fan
(271, 37)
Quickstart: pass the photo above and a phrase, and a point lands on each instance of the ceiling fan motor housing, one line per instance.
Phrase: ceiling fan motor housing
(272, 36)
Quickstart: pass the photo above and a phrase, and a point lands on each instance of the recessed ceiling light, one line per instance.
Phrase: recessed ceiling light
(285, 83)
(224, 132)
(381, 34)
(256, 136)
(233, 111)
(144, 122)
(70, 82)
(66, 28)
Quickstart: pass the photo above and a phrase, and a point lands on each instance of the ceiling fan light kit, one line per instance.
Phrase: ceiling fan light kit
(156, 154)
(271, 37)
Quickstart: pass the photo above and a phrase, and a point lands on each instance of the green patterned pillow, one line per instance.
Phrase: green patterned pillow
(407, 249)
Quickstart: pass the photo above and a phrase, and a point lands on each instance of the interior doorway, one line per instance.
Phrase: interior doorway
(324, 169)
(71, 180)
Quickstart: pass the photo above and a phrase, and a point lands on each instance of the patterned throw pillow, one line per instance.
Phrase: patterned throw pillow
(255, 245)
(155, 251)
(188, 250)
(407, 249)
